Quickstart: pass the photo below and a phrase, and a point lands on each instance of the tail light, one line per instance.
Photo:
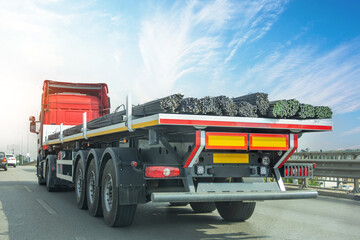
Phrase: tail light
(161, 172)
(4, 160)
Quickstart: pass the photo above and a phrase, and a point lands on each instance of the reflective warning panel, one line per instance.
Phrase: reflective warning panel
(219, 140)
(268, 141)
(230, 158)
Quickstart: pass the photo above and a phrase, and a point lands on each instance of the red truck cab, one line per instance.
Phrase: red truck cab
(64, 103)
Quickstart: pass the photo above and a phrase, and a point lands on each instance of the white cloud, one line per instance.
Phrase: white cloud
(46, 40)
(197, 36)
(329, 78)
(259, 16)
(352, 131)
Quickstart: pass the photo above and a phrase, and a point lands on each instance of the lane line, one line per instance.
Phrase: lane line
(80, 238)
(46, 207)
(27, 189)
(4, 226)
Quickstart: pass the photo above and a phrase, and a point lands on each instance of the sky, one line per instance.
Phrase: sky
(303, 49)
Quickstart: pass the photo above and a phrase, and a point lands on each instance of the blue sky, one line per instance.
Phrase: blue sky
(309, 50)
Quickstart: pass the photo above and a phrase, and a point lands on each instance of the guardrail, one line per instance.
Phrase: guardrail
(335, 169)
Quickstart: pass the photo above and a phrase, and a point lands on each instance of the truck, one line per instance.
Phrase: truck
(210, 162)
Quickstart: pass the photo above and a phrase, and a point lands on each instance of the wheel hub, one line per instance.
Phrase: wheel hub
(108, 192)
(79, 183)
(92, 187)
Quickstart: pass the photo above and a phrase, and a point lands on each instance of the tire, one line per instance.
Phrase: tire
(48, 179)
(15, 166)
(178, 204)
(235, 211)
(80, 186)
(41, 181)
(93, 196)
(115, 215)
(203, 207)
(5, 168)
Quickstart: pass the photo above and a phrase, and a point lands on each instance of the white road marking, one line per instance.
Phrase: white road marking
(4, 226)
(80, 238)
(27, 189)
(47, 207)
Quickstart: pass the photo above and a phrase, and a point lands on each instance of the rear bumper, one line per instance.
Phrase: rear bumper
(236, 196)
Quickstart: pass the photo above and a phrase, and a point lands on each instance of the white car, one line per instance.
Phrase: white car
(11, 160)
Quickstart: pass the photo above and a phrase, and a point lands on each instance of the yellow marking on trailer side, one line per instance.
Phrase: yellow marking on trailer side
(145, 124)
(230, 158)
(73, 139)
(115, 130)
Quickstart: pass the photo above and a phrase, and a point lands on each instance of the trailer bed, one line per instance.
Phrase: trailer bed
(198, 122)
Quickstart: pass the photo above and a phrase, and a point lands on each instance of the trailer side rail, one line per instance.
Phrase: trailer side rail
(201, 121)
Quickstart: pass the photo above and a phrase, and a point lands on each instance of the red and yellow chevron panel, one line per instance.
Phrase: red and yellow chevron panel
(268, 141)
(223, 140)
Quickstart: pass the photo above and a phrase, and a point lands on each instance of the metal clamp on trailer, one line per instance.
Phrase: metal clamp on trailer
(84, 126)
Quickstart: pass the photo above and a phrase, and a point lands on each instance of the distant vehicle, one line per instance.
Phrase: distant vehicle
(346, 187)
(11, 160)
(3, 161)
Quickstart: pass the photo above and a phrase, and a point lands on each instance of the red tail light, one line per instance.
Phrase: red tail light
(4, 160)
(161, 172)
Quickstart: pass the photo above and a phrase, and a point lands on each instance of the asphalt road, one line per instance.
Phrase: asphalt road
(28, 211)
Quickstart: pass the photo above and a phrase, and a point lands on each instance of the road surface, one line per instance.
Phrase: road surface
(28, 211)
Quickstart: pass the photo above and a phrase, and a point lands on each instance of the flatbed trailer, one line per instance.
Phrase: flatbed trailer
(211, 162)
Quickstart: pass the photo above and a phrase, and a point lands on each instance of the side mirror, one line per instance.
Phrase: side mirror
(33, 127)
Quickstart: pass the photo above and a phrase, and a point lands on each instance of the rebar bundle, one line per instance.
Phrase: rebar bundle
(293, 107)
(163, 105)
(190, 106)
(247, 109)
(227, 106)
(170, 103)
(260, 100)
(210, 106)
(323, 112)
(252, 105)
(305, 111)
(278, 109)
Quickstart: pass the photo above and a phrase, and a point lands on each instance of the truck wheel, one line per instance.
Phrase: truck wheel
(203, 207)
(235, 211)
(80, 186)
(115, 215)
(93, 193)
(48, 179)
(41, 181)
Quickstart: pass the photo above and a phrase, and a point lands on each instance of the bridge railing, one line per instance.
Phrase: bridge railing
(334, 169)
